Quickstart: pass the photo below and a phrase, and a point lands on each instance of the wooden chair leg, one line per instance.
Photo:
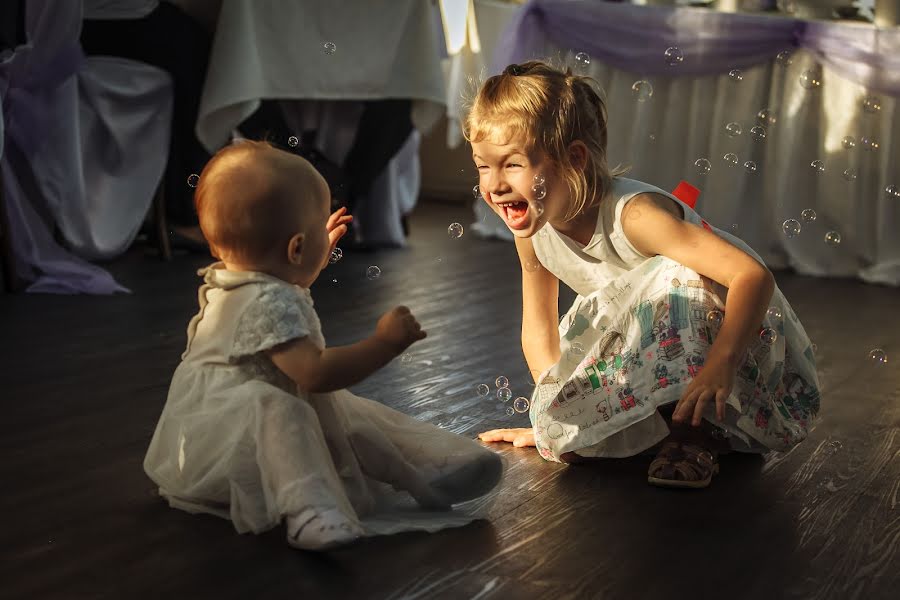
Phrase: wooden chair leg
(7, 263)
(162, 226)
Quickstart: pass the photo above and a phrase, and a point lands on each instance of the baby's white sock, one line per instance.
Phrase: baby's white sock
(322, 529)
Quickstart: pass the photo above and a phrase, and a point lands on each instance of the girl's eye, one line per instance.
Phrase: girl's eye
(514, 165)
(479, 167)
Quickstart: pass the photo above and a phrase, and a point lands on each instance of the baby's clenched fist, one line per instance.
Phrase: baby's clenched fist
(398, 329)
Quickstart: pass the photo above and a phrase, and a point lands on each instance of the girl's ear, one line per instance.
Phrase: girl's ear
(578, 154)
(295, 249)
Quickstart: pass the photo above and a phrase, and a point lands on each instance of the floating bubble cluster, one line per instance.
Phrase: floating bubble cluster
(336, 255)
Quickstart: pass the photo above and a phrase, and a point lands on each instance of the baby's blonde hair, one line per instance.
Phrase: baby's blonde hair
(549, 109)
(245, 198)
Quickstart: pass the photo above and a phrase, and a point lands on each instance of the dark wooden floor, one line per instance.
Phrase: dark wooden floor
(84, 380)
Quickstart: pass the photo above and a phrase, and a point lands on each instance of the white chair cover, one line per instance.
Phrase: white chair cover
(75, 157)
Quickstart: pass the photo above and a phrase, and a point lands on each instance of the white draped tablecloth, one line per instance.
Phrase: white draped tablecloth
(276, 49)
(685, 119)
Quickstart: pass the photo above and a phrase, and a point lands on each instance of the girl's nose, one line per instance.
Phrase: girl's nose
(496, 184)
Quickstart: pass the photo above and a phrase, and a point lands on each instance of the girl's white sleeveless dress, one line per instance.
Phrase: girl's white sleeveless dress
(640, 330)
(237, 439)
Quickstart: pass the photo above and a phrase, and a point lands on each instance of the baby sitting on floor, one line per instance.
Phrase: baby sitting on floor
(258, 426)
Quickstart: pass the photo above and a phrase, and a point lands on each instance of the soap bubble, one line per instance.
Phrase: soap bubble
(334, 280)
(193, 180)
(731, 158)
(849, 174)
(373, 272)
(482, 389)
(791, 227)
(768, 335)
(808, 215)
(849, 142)
(703, 165)
(736, 75)
(577, 349)
(329, 47)
(504, 394)
(539, 191)
(774, 312)
(652, 137)
(539, 179)
(455, 230)
(892, 191)
(871, 104)
(734, 129)
(406, 358)
(714, 317)
(878, 356)
(750, 166)
(642, 89)
(509, 411)
(766, 117)
(811, 79)
(818, 166)
(336, 255)
(293, 141)
(538, 208)
(758, 132)
(674, 56)
(833, 238)
(501, 382)
(583, 59)
(785, 58)
(476, 191)
(869, 144)
(520, 404)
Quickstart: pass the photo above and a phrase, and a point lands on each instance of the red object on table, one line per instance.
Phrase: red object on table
(686, 193)
(689, 194)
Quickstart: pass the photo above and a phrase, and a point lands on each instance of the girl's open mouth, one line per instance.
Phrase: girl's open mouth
(515, 214)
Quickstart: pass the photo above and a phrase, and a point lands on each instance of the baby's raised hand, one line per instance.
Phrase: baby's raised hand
(337, 226)
(398, 329)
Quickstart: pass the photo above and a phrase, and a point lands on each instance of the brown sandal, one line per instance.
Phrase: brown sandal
(683, 465)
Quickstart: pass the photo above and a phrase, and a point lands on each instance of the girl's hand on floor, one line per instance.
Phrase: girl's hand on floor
(520, 437)
(337, 226)
(715, 381)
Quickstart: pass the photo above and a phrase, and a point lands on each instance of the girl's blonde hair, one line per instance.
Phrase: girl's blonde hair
(549, 109)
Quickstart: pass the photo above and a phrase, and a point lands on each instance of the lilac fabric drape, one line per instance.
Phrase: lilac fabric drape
(28, 80)
(635, 38)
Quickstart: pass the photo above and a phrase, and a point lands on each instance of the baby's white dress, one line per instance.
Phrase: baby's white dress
(640, 330)
(237, 439)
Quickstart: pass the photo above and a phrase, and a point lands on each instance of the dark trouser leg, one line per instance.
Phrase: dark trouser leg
(383, 128)
(171, 40)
